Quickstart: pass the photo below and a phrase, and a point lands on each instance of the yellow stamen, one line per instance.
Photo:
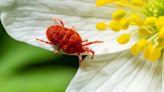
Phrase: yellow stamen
(118, 14)
(101, 26)
(134, 50)
(103, 2)
(161, 33)
(125, 23)
(138, 47)
(123, 39)
(138, 2)
(155, 55)
(143, 32)
(115, 26)
(150, 20)
(160, 22)
(136, 19)
(152, 53)
(148, 50)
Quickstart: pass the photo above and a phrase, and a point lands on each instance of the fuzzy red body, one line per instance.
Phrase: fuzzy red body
(67, 40)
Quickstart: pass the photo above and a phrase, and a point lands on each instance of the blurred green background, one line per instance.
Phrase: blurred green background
(24, 68)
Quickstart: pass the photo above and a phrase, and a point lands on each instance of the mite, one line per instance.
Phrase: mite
(68, 40)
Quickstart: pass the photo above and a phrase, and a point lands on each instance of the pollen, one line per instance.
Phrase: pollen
(147, 16)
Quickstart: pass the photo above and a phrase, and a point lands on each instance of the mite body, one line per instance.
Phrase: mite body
(68, 40)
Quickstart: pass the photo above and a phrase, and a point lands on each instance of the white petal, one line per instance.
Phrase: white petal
(6, 4)
(29, 19)
(119, 72)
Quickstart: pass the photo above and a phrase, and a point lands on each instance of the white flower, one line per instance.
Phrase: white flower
(113, 68)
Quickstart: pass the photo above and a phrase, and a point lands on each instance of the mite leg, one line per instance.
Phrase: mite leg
(58, 48)
(86, 44)
(93, 53)
(87, 50)
(80, 59)
(86, 40)
(56, 52)
(44, 41)
(57, 19)
(73, 28)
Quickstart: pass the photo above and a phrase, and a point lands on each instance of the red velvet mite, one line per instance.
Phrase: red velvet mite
(67, 40)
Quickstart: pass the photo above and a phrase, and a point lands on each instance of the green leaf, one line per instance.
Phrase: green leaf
(24, 68)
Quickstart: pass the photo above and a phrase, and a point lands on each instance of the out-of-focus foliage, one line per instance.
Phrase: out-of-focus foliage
(24, 68)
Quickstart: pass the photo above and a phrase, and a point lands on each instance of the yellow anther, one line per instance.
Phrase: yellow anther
(147, 51)
(134, 50)
(125, 23)
(133, 17)
(139, 22)
(115, 26)
(150, 20)
(123, 39)
(161, 33)
(143, 32)
(152, 53)
(156, 54)
(136, 19)
(142, 43)
(118, 14)
(160, 43)
(120, 3)
(139, 46)
(101, 26)
(124, 1)
(138, 2)
(160, 22)
(103, 2)
(161, 18)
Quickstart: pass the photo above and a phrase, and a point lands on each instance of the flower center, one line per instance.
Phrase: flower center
(147, 15)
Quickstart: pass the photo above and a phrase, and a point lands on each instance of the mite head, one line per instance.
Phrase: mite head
(53, 31)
